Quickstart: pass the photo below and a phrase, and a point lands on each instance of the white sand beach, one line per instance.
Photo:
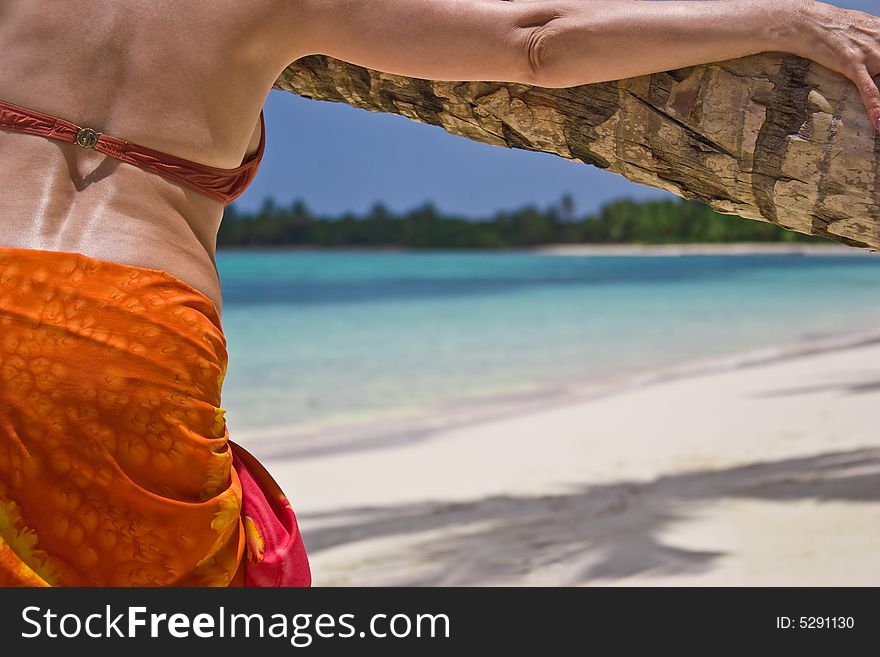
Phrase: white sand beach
(728, 249)
(765, 474)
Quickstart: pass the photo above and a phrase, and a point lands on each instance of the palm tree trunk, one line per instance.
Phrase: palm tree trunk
(770, 137)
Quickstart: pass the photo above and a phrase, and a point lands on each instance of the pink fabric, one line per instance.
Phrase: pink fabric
(276, 555)
(224, 185)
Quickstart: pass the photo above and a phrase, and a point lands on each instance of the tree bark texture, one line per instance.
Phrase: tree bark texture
(771, 137)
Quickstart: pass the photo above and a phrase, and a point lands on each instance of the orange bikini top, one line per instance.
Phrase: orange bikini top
(224, 185)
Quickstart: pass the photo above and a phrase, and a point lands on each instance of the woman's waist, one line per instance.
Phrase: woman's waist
(122, 242)
(122, 215)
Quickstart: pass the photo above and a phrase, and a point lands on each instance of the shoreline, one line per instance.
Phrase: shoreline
(765, 474)
(719, 249)
(291, 442)
(726, 249)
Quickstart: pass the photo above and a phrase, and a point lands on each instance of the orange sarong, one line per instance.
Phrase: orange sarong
(116, 467)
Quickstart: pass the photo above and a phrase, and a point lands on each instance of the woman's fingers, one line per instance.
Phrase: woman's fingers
(846, 41)
(869, 92)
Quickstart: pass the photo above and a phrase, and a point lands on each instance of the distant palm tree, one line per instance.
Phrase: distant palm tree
(567, 207)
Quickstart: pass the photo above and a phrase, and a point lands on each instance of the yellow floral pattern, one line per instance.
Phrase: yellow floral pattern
(32, 564)
(256, 546)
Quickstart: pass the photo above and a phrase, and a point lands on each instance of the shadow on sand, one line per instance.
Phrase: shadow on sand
(594, 532)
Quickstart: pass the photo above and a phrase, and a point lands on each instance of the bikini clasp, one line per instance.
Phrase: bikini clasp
(87, 138)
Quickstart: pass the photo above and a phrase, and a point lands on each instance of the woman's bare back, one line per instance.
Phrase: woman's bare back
(190, 83)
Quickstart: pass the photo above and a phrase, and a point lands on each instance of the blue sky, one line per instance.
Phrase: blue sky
(338, 158)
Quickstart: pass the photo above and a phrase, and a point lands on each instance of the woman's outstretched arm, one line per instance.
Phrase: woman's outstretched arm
(562, 43)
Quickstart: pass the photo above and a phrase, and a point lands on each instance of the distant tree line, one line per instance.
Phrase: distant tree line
(623, 221)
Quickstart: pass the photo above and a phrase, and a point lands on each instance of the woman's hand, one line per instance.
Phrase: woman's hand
(845, 41)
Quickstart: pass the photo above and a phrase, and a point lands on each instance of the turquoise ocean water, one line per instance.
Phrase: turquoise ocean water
(321, 339)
